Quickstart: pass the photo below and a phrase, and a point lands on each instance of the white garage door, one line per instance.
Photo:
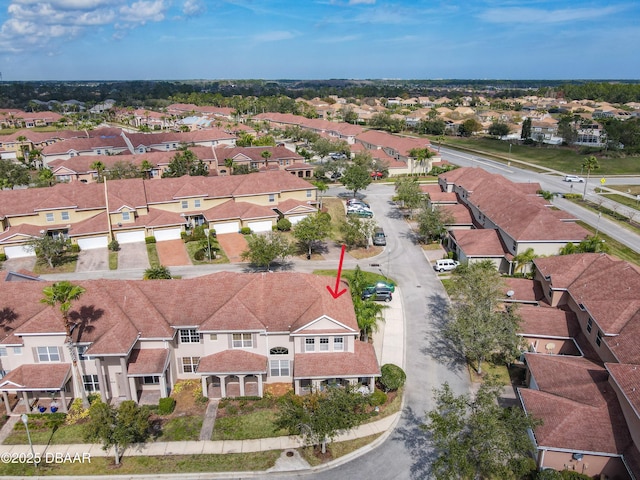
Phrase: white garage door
(227, 227)
(130, 237)
(296, 218)
(167, 234)
(264, 226)
(93, 242)
(19, 252)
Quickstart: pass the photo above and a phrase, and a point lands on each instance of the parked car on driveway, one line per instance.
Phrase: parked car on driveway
(573, 178)
(379, 238)
(382, 284)
(355, 202)
(446, 265)
(379, 294)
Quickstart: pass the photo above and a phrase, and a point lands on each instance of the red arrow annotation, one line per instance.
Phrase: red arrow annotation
(335, 293)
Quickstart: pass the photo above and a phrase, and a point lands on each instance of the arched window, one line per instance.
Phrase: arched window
(279, 351)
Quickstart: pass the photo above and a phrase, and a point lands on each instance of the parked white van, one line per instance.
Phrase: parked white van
(445, 265)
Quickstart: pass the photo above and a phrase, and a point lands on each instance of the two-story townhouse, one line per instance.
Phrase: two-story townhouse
(582, 377)
(237, 333)
(520, 217)
(279, 157)
(129, 210)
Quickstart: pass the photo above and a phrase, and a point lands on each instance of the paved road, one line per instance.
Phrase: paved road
(428, 363)
(553, 181)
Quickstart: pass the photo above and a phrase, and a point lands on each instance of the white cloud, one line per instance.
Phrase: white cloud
(143, 11)
(193, 7)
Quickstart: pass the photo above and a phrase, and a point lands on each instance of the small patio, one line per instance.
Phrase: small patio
(37, 389)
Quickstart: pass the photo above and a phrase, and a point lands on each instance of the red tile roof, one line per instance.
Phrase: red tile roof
(43, 376)
(233, 362)
(479, 243)
(148, 361)
(362, 362)
(547, 322)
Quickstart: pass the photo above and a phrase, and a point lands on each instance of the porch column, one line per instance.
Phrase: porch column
(241, 383)
(259, 384)
(296, 387)
(205, 392)
(372, 384)
(223, 386)
(101, 382)
(7, 405)
(163, 385)
(125, 379)
(25, 398)
(63, 401)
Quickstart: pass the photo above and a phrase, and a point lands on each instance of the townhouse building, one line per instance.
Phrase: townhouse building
(506, 217)
(93, 214)
(238, 334)
(580, 323)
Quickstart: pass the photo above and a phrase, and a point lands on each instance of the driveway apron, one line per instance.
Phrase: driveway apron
(93, 260)
(133, 255)
(233, 244)
(173, 253)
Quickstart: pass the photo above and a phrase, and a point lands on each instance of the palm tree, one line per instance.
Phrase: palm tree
(266, 154)
(157, 272)
(230, 164)
(61, 294)
(99, 167)
(145, 167)
(368, 315)
(322, 187)
(589, 163)
(523, 259)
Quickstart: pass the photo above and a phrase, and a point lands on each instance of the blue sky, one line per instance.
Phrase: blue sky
(318, 39)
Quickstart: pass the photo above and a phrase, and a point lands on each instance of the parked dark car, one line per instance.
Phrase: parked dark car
(380, 294)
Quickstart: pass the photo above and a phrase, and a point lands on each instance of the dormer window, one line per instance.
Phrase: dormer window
(126, 216)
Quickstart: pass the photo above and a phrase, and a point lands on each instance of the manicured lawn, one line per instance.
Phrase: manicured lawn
(629, 202)
(198, 256)
(243, 462)
(335, 208)
(67, 265)
(563, 159)
(181, 428)
(615, 248)
(152, 253)
(336, 450)
(42, 432)
(257, 424)
(113, 260)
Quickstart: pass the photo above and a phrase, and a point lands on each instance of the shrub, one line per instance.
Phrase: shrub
(166, 406)
(245, 231)
(284, 225)
(393, 377)
(114, 246)
(150, 239)
(75, 248)
(572, 196)
(3, 257)
(231, 410)
(377, 398)
(77, 412)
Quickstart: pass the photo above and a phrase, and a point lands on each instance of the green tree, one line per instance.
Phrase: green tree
(230, 164)
(432, 223)
(117, 427)
(185, 162)
(264, 249)
(567, 129)
(589, 164)
(408, 192)
(524, 259)
(321, 416)
(45, 178)
(498, 129)
(526, 129)
(62, 294)
(266, 155)
(121, 170)
(12, 174)
(474, 437)
(311, 230)
(392, 377)
(469, 127)
(157, 272)
(478, 324)
(99, 167)
(420, 156)
(322, 187)
(49, 248)
(356, 178)
(356, 231)
(591, 244)
(369, 315)
(145, 168)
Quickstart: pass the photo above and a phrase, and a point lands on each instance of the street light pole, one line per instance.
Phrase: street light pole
(25, 419)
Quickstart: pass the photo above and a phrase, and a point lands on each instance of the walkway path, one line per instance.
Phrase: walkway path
(209, 420)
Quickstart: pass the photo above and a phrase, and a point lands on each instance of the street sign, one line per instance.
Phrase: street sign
(603, 180)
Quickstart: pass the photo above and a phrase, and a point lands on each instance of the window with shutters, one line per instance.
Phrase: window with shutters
(279, 368)
(309, 344)
(242, 340)
(324, 344)
(338, 344)
(48, 354)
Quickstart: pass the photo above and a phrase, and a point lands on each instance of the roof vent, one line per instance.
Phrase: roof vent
(510, 293)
